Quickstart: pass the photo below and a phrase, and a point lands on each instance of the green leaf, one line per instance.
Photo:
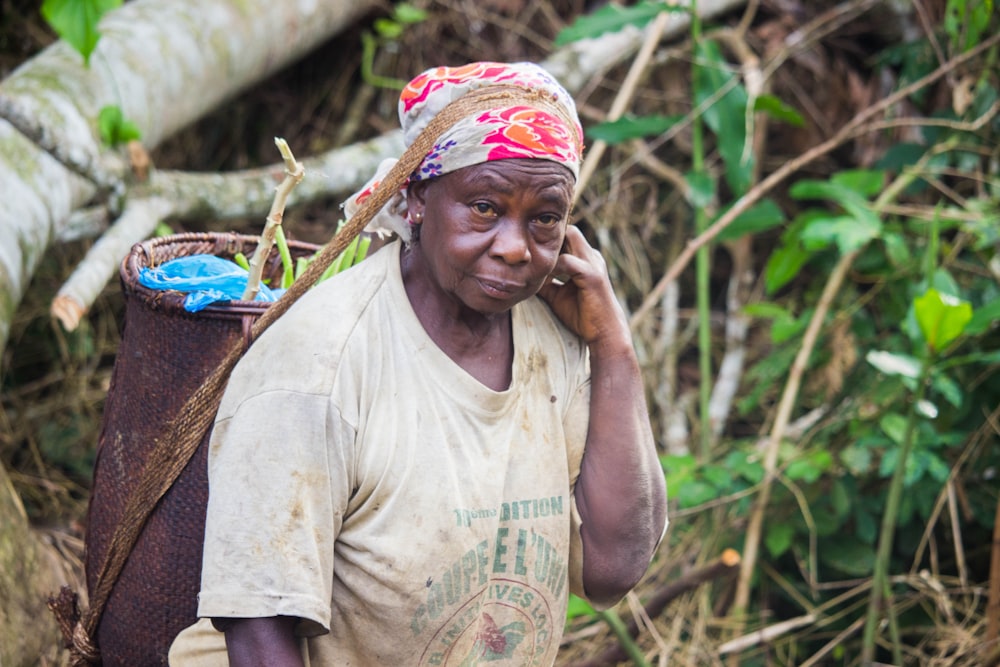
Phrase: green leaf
(113, 128)
(725, 115)
(840, 499)
(612, 18)
(778, 538)
(868, 182)
(847, 232)
(784, 324)
(701, 189)
(892, 363)
(894, 426)
(900, 156)
(857, 459)
(915, 466)
(629, 127)
(848, 555)
(942, 318)
(578, 607)
(775, 108)
(786, 328)
(718, 476)
(896, 248)
(406, 13)
(760, 217)
(948, 388)
(809, 468)
(387, 28)
(740, 464)
(75, 21)
(984, 317)
(865, 526)
(783, 265)
(695, 493)
(678, 469)
(846, 189)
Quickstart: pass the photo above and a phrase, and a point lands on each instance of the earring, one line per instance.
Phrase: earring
(418, 217)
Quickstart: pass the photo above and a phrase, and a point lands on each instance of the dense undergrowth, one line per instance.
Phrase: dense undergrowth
(822, 376)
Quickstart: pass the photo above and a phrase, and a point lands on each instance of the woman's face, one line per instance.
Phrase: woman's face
(491, 233)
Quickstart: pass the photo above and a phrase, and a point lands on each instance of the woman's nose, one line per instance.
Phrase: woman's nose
(511, 242)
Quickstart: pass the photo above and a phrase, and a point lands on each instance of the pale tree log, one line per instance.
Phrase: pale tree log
(164, 64)
(208, 196)
(337, 172)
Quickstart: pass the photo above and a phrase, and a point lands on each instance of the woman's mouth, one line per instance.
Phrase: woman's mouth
(499, 289)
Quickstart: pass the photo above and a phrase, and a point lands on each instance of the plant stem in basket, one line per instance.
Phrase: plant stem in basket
(294, 171)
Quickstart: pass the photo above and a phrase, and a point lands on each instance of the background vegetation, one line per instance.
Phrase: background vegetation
(822, 375)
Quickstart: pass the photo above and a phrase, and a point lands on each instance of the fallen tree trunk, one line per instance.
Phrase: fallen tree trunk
(165, 64)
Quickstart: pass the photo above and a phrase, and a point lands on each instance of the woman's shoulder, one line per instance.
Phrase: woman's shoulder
(307, 342)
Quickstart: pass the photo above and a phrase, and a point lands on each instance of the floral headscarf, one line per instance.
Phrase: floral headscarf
(517, 131)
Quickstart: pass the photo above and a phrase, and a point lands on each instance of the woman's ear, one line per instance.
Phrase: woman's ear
(415, 202)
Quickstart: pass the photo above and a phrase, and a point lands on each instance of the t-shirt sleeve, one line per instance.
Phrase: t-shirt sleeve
(279, 484)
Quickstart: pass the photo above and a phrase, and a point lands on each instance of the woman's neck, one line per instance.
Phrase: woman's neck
(481, 344)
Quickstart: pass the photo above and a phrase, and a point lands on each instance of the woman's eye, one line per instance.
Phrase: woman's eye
(484, 208)
(549, 220)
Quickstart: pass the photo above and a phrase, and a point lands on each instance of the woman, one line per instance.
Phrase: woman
(422, 458)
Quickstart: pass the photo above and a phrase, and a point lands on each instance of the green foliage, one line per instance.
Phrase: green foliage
(387, 30)
(578, 607)
(75, 21)
(966, 21)
(723, 103)
(114, 128)
(612, 18)
(630, 127)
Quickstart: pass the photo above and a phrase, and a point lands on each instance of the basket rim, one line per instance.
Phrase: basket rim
(216, 243)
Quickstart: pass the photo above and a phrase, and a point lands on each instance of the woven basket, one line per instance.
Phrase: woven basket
(164, 355)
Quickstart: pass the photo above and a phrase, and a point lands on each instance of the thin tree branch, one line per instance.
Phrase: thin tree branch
(623, 98)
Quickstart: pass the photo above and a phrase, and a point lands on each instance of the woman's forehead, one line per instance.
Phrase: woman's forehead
(516, 173)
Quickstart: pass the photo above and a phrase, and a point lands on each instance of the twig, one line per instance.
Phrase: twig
(790, 393)
(956, 533)
(993, 600)
(138, 220)
(624, 96)
(737, 324)
(834, 643)
(293, 175)
(765, 635)
(754, 195)
(716, 569)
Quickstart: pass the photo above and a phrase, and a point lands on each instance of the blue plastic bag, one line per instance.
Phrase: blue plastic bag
(206, 278)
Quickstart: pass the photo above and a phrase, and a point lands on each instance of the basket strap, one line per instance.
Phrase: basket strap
(171, 453)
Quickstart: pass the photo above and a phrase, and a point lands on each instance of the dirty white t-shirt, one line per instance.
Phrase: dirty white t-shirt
(362, 481)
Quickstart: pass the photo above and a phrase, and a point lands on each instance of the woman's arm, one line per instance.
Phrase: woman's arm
(262, 642)
(621, 494)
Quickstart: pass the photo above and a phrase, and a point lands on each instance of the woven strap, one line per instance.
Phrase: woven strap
(171, 453)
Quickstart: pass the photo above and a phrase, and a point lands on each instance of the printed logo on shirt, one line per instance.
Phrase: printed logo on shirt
(535, 508)
(508, 622)
(493, 604)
